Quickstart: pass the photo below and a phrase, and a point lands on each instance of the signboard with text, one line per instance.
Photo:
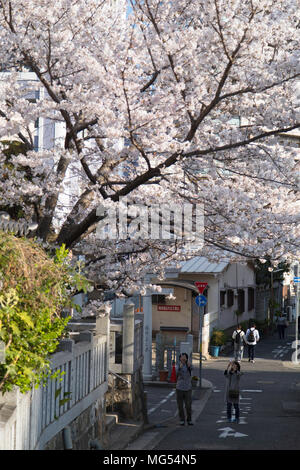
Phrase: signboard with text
(169, 308)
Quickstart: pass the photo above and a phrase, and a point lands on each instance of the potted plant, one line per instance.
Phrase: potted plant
(218, 339)
(163, 375)
(194, 380)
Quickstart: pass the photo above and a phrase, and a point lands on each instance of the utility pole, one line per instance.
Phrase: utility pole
(296, 275)
(201, 311)
(201, 301)
(271, 270)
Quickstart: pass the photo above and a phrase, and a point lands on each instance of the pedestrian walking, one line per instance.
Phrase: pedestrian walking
(252, 338)
(184, 389)
(232, 390)
(281, 325)
(238, 342)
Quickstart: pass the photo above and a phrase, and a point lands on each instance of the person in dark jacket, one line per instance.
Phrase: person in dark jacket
(251, 338)
(238, 337)
(232, 390)
(281, 325)
(184, 389)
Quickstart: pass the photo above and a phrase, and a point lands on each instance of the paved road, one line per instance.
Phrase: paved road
(270, 405)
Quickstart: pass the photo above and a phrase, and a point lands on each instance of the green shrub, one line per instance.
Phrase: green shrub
(34, 289)
(218, 337)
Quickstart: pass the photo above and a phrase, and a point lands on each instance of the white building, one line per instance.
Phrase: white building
(231, 289)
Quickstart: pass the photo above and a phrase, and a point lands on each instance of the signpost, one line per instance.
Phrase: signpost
(201, 301)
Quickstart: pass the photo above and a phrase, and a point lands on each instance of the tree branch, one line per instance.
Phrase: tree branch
(242, 143)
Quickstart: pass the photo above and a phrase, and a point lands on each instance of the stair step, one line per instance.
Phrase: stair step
(120, 432)
(123, 433)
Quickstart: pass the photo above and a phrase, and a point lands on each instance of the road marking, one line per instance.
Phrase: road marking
(252, 391)
(229, 432)
(161, 402)
(241, 421)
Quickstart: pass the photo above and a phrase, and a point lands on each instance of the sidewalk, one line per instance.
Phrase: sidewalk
(162, 417)
(159, 426)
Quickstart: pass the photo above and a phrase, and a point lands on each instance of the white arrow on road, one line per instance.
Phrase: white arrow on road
(229, 432)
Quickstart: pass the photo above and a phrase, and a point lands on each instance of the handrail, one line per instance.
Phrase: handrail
(119, 377)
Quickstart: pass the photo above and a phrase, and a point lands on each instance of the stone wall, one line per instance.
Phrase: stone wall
(126, 398)
(89, 425)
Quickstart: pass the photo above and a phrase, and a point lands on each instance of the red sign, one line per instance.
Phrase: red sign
(201, 286)
(169, 308)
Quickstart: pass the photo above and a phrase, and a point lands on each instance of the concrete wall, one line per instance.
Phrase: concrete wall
(167, 318)
(126, 397)
(237, 276)
(210, 319)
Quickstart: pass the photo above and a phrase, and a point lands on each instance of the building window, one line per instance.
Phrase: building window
(241, 300)
(36, 142)
(158, 299)
(118, 348)
(250, 298)
(230, 298)
(222, 298)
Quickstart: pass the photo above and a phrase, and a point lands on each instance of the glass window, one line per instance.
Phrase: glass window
(230, 298)
(222, 297)
(241, 300)
(250, 298)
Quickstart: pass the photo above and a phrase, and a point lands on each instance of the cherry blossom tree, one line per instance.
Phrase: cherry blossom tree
(182, 101)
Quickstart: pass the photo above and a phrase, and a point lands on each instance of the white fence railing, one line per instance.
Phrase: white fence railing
(29, 421)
